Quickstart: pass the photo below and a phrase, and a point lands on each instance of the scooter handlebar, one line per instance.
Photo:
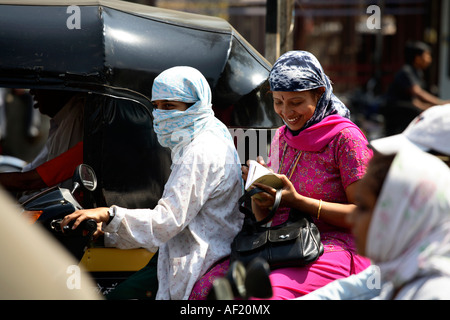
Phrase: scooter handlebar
(89, 225)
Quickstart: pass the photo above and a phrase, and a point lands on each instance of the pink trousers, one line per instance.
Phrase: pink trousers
(290, 283)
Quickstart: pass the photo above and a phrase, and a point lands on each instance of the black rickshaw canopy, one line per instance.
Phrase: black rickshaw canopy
(112, 50)
(118, 46)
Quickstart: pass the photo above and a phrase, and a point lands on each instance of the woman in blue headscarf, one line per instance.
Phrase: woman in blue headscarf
(197, 217)
(321, 156)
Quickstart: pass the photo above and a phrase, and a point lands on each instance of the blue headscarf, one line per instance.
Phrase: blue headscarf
(174, 128)
(301, 71)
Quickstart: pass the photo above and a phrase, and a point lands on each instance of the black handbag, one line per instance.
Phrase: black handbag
(294, 243)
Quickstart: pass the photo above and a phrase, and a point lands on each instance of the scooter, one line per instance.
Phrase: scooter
(107, 266)
(242, 282)
(50, 206)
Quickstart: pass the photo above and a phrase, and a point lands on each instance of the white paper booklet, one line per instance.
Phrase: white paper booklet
(259, 173)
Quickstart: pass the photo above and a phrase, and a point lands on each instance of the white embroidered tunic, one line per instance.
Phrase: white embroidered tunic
(194, 222)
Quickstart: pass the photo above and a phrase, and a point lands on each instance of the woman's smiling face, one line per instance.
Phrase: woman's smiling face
(295, 107)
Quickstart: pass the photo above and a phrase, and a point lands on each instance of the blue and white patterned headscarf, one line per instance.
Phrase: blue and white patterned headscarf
(174, 128)
(301, 71)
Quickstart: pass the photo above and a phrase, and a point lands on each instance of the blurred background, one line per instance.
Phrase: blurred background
(360, 55)
(360, 48)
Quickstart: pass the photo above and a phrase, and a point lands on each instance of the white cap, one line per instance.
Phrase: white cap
(428, 131)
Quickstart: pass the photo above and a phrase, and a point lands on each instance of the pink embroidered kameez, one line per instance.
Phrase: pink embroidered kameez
(322, 174)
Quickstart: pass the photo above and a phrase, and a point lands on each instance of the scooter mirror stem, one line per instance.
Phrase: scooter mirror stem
(76, 185)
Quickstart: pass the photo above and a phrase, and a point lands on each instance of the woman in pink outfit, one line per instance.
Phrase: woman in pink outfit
(321, 156)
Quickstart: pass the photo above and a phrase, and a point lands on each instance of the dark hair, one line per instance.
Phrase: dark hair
(317, 93)
(377, 170)
(414, 49)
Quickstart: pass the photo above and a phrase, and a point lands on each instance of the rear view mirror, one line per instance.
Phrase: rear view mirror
(84, 176)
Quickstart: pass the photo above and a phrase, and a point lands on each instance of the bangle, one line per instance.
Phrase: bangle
(320, 208)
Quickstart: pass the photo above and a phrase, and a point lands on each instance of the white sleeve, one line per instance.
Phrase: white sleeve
(188, 188)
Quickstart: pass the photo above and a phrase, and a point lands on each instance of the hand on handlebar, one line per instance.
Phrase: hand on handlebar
(97, 214)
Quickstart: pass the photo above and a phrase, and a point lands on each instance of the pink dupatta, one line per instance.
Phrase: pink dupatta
(316, 137)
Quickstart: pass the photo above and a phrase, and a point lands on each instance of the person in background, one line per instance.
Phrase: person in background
(32, 119)
(430, 132)
(197, 216)
(407, 95)
(63, 150)
(402, 224)
(321, 156)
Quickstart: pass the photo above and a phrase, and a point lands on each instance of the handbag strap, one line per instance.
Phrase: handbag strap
(272, 212)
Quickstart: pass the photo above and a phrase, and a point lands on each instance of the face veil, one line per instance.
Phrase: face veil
(174, 128)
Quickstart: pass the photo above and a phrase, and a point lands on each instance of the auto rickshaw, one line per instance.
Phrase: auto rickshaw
(112, 50)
